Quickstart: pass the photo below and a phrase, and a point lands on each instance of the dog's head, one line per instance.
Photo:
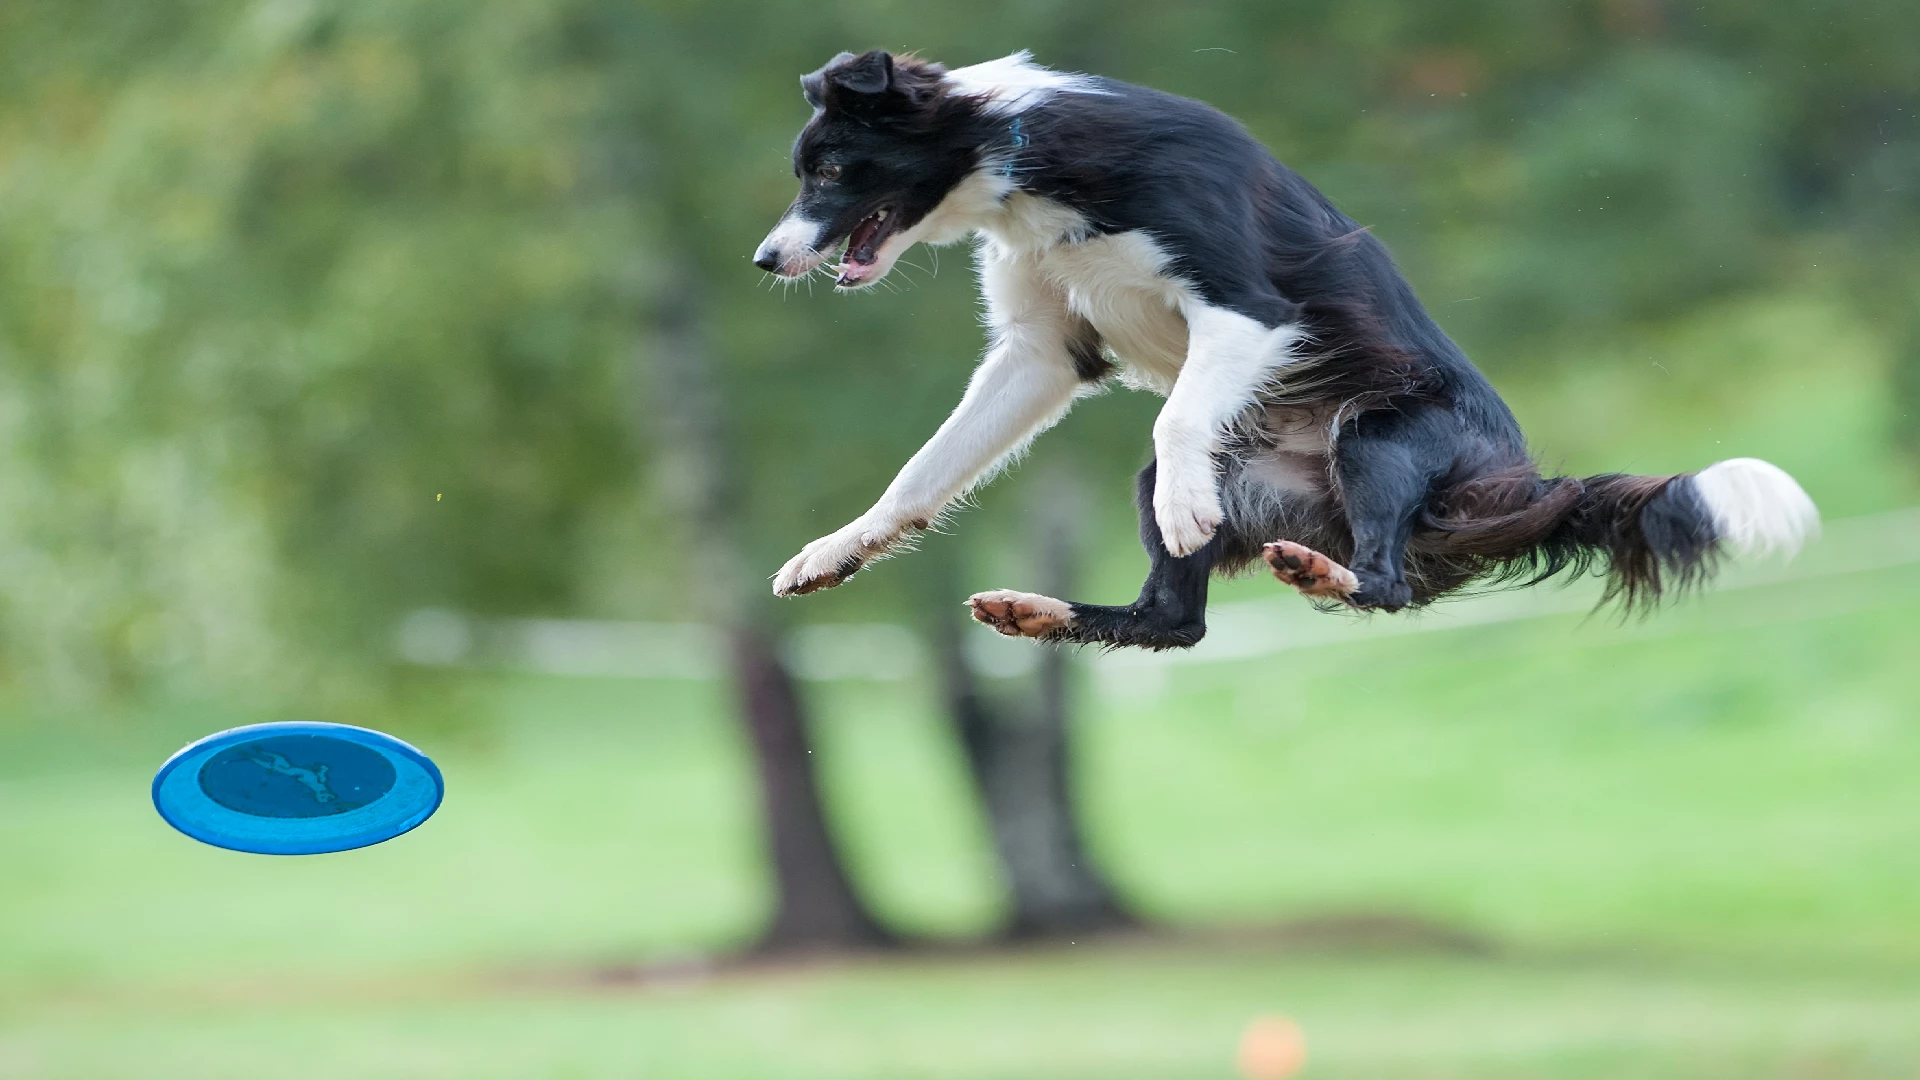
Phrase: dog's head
(887, 142)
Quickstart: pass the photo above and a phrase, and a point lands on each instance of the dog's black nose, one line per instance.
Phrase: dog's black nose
(766, 261)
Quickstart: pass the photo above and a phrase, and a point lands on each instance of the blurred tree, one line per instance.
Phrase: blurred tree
(311, 320)
(1018, 747)
(815, 906)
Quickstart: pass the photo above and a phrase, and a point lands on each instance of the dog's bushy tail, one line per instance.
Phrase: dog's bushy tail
(1652, 535)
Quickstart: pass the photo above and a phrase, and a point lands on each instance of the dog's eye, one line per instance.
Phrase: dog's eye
(828, 172)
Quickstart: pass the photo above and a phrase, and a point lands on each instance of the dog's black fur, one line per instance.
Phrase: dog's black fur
(1427, 484)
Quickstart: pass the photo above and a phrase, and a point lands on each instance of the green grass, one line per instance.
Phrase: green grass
(1694, 841)
(1698, 848)
(1152, 1013)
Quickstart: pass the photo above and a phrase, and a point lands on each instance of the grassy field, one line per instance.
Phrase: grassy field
(1137, 1012)
(1700, 861)
(1691, 845)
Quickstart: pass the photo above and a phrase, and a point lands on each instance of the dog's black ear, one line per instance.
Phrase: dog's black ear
(814, 85)
(868, 73)
(850, 80)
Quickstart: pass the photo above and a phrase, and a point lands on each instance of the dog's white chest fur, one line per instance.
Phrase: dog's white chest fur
(1115, 282)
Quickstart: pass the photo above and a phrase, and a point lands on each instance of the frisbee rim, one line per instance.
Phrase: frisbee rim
(367, 737)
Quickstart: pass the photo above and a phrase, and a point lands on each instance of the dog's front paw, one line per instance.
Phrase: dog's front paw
(1187, 515)
(1021, 614)
(831, 560)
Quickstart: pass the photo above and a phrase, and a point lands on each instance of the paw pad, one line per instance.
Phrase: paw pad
(1018, 614)
(1309, 571)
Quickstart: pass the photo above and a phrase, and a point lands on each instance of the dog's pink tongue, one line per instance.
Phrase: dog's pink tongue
(861, 241)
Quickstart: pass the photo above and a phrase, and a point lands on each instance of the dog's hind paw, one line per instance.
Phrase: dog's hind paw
(1021, 614)
(1309, 571)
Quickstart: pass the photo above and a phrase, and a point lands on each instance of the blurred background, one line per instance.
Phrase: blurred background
(400, 363)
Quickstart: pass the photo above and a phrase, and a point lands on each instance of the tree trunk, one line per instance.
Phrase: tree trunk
(815, 905)
(1018, 754)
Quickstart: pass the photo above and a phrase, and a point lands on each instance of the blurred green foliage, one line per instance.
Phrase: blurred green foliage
(315, 312)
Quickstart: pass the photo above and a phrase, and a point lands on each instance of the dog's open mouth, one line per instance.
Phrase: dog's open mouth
(864, 243)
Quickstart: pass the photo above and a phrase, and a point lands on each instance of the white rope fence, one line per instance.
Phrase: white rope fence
(1237, 630)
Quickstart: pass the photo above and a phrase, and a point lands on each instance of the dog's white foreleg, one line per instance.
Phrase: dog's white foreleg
(1230, 357)
(1023, 386)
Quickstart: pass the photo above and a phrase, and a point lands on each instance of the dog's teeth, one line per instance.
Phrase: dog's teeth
(881, 216)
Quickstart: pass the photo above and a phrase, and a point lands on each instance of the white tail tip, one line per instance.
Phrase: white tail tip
(1757, 508)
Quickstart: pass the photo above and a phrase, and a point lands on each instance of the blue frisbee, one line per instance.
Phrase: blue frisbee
(297, 788)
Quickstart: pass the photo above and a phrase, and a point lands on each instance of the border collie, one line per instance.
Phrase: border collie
(1316, 418)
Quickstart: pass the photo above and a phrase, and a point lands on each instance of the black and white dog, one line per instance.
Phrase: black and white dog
(1316, 417)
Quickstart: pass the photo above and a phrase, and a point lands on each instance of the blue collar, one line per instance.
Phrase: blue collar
(1019, 144)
